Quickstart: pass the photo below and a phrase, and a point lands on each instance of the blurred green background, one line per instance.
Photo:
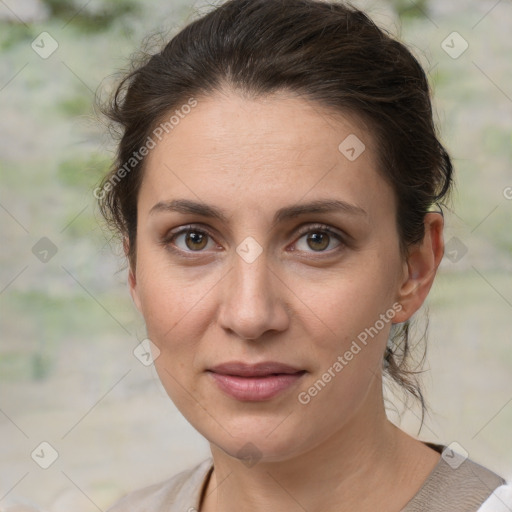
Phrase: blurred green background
(68, 375)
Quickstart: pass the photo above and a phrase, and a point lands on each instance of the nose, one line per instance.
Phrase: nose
(253, 299)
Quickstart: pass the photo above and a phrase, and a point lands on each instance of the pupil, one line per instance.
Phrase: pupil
(314, 238)
(196, 239)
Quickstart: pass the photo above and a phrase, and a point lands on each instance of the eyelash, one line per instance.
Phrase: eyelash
(315, 228)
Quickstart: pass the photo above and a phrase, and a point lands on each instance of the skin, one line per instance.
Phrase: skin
(298, 302)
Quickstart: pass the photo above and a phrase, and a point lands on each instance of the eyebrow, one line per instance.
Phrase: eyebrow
(187, 206)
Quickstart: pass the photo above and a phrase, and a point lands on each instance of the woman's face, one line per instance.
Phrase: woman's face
(260, 285)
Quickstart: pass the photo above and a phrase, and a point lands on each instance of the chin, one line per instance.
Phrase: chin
(251, 446)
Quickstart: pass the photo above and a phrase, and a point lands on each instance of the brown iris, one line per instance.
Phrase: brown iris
(315, 238)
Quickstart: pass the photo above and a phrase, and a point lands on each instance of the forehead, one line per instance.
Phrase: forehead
(229, 124)
(276, 148)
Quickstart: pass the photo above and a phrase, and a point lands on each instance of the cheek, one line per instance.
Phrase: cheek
(349, 352)
(174, 306)
(348, 337)
(347, 363)
(170, 296)
(173, 321)
(349, 302)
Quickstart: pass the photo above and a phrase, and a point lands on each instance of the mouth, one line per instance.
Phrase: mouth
(255, 383)
(264, 369)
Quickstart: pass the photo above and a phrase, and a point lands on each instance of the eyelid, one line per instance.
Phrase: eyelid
(301, 231)
(324, 228)
(171, 235)
(306, 228)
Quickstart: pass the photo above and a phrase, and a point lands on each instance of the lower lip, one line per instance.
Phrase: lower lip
(255, 389)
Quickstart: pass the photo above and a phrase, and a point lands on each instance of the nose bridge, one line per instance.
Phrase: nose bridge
(250, 306)
(250, 285)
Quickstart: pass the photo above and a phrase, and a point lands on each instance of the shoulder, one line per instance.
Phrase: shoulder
(181, 492)
(500, 500)
(458, 483)
(465, 480)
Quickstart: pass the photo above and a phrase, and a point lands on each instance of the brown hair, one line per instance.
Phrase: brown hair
(328, 52)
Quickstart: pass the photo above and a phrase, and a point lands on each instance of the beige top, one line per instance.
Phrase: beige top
(454, 485)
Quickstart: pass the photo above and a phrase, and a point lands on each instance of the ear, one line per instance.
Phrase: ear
(421, 267)
(132, 278)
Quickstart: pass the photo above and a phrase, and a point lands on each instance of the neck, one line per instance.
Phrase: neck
(355, 469)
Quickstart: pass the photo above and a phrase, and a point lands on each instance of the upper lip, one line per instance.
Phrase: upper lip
(242, 369)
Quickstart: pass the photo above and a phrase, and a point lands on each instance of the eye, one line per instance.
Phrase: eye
(194, 239)
(318, 238)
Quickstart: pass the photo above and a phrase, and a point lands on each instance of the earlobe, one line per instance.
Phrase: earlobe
(421, 267)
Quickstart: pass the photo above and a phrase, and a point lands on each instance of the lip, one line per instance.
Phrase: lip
(241, 369)
(254, 382)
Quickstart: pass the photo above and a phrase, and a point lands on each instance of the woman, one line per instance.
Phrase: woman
(274, 188)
